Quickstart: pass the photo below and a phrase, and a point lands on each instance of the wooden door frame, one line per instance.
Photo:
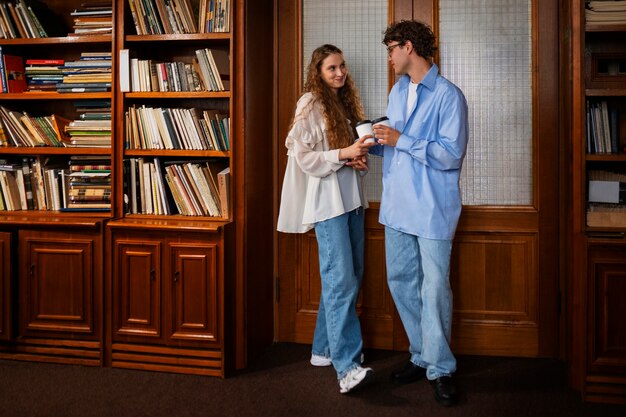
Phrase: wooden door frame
(541, 217)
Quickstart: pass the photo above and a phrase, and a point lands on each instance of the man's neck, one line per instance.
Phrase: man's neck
(419, 70)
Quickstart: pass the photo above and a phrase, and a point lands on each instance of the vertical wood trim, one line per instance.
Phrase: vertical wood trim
(238, 103)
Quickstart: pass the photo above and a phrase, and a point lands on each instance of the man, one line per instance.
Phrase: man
(423, 152)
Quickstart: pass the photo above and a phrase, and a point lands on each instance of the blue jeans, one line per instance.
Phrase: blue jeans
(418, 274)
(338, 332)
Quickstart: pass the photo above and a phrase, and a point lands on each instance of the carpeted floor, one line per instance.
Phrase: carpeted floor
(282, 383)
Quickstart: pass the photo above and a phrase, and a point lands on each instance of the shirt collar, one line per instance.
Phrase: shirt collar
(429, 79)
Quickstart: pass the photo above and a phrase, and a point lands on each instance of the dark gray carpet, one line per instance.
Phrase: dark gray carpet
(282, 383)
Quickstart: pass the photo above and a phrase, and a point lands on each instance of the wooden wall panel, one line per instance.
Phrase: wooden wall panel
(494, 280)
(374, 306)
(607, 309)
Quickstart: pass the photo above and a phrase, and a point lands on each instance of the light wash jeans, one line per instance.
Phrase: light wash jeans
(418, 274)
(338, 332)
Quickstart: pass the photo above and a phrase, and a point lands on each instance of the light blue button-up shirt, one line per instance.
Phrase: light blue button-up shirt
(421, 193)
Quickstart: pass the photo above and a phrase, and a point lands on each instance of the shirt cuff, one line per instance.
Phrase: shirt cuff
(333, 157)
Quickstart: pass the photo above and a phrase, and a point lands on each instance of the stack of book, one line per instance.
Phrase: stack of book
(194, 188)
(157, 17)
(12, 187)
(89, 183)
(90, 73)
(22, 129)
(89, 133)
(602, 128)
(18, 20)
(93, 19)
(214, 16)
(43, 74)
(12, 79)
(176, 128)
(214, 68)
(606, 198)
(150, 75)
(92, 129)
(31, 184)
(93, 109)
(606, 13)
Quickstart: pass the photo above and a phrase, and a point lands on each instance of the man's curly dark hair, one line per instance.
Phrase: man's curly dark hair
(420, 35)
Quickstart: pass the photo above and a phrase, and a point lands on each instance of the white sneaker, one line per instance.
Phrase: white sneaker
(319, 360)
(356, 378)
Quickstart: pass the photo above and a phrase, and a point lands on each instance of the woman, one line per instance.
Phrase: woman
(322, 190)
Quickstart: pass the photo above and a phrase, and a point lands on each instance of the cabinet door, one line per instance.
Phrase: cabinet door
(194, 303)
(137, 291)
(607, 309)
(5, 286)
(56, 283)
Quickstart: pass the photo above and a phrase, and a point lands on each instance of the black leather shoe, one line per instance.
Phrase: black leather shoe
(445, 390)
(409, 373)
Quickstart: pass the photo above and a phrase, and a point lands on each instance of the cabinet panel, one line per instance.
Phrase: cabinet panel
(194, 292)
(607, 292)
(137, 290)
(5, 286)
(56, 284)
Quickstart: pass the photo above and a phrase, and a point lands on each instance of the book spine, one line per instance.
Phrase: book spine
(3, 74)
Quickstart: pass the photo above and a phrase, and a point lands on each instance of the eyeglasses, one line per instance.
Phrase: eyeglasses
(390, 48)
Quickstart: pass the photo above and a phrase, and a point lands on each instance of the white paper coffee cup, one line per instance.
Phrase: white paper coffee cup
(364, 127)
(381, 121)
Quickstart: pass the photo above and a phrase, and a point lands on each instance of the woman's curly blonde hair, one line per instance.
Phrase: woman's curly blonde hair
(337, 108)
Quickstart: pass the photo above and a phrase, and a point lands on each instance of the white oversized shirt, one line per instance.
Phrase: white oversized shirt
(312, 191)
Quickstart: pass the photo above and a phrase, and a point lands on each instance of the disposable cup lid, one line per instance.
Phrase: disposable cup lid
(362, 122)
(380, 119)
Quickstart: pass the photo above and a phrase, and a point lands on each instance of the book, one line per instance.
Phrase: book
(223, 185)
(3, 77)
(14, 70)
(124, 68)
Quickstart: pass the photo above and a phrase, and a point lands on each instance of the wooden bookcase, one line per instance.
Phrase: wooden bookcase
(171, 292)
(52, 261)
(598, 266)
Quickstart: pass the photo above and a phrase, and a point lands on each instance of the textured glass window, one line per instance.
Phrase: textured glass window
(485, 49)
(356, 27)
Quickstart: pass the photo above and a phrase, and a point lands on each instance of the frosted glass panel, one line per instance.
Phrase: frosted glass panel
(485, 49)
(356, 27)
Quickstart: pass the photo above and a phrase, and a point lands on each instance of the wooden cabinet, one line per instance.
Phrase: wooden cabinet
(52, 295)
(51, 244)
(167, 254)
(606, 335)
(597, 348)
(60, 288)
(5, 286)
(167, 299)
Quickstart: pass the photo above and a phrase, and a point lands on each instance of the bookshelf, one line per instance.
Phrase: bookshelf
(48, 316)
(598, 361)
(159, 285)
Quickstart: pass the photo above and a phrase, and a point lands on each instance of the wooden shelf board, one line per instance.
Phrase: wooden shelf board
(178, 37)
(52, 218)
(590, 27)
(620, 157)
(49, 150)
(180, 94)
(173, 222)
(605, 92)
(55, 40)
(53, 95)
(176, 152)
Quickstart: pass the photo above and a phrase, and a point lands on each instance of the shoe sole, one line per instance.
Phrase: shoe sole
(322, 363)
